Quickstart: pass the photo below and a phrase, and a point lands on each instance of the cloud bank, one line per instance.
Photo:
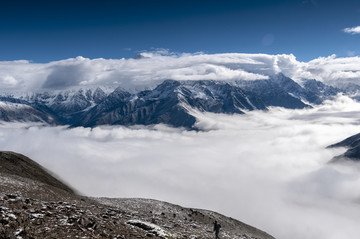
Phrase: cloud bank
(151, 68)
(267, 169)
(352, 30)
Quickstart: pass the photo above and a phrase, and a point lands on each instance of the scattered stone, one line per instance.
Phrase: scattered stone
(32, 209)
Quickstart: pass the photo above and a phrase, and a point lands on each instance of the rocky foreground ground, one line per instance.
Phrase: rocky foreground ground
(34, 204)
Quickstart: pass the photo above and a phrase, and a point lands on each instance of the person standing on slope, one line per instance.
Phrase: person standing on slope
(217, 227)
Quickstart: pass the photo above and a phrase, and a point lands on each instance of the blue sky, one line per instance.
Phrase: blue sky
(43, 31)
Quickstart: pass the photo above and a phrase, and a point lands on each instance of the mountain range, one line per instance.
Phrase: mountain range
(168, 103)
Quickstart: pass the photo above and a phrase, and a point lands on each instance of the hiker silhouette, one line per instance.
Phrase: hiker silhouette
(217, 227)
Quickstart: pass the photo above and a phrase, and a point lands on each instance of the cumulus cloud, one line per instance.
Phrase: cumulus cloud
(268, 169)
(154, 67)
(352, 30)
(9, 81)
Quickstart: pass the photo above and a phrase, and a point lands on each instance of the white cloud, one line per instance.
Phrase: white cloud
(161, 65)
(267, 169)
(352, 30)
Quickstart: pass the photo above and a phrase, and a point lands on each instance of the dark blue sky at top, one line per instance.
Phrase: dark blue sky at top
(43, 31)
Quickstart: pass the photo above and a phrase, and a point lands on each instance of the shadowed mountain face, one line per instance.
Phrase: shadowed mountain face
(168, 103)
(353, 151)
(34, 204)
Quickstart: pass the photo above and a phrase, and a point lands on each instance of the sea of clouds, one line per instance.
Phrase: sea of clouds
(151, 68)
(268, 169)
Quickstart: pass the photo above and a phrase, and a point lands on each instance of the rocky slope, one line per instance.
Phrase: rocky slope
(168, 103)
(34, 204)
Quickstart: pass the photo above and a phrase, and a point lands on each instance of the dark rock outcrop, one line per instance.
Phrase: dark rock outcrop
(353, 148)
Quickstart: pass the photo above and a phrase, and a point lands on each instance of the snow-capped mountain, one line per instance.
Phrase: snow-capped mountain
(20, 111)
(168, 103)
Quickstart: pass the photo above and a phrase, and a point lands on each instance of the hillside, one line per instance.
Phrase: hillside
(34, 204)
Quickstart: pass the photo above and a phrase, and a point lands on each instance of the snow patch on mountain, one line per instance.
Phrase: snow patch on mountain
(8, 106)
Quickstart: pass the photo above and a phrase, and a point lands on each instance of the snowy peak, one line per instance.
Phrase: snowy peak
(97, 96)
